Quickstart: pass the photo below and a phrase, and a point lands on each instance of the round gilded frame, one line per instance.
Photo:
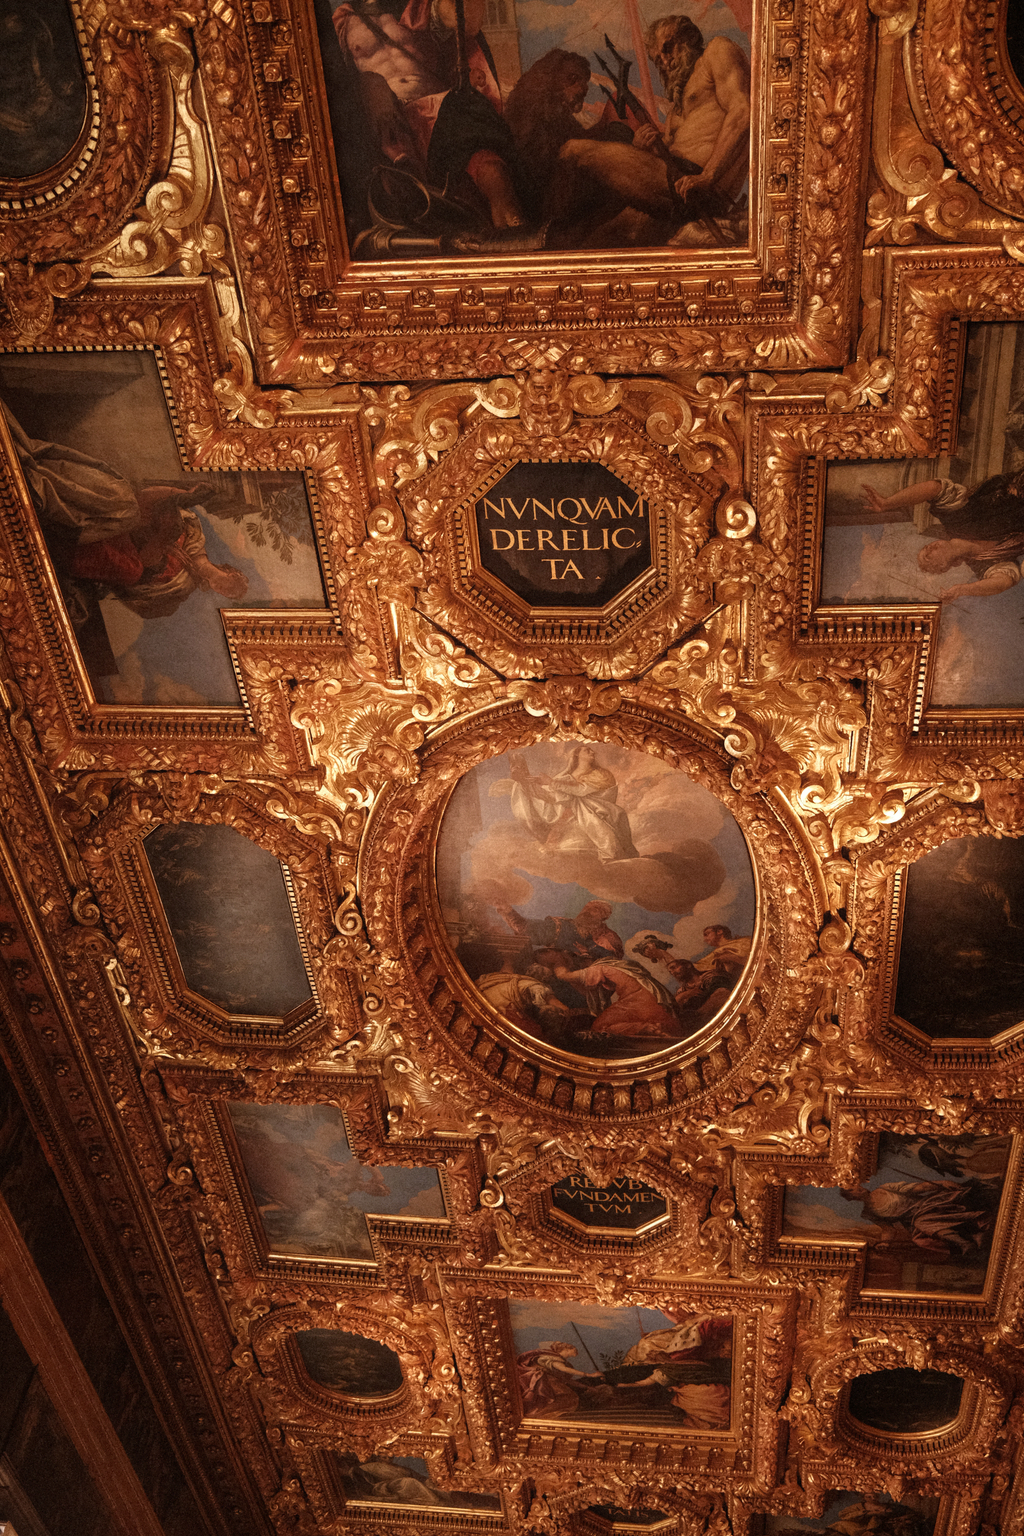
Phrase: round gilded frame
(275, 1345)
(468, 1039)
(982, 1405)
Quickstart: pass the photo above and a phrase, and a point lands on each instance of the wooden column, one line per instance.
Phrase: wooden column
(31, 1310)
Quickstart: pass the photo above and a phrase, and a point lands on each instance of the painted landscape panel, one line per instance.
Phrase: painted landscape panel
(147, 555)
(311, 1194)
(927, 1214)
(947, 531)
(905, 1401)
(861, 1514)
(578, 126)
(629, 1367)
(600, 900)
(404, 1481)
(961, 961)
(349, 1363)
(228, 911)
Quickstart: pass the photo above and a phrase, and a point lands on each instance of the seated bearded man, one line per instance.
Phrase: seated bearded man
(676, 186)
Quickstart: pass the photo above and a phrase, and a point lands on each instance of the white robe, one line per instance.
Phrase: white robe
(576, 815)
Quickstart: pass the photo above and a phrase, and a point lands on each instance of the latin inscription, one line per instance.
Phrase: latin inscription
(625, 1203)
(564, 534)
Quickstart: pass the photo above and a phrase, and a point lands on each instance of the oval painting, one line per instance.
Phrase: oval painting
(350, 1363)
(42, 86)
(904, 1401)
(600, 901)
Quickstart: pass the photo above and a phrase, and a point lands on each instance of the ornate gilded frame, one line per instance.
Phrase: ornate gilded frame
(761, 1181)
(968, 96)
(133, 197)
(956, 1514)
(215, 429)
(879, 904)
(436, 1235)
(787, 301)
(396, 862)
(482, 1340)
(906, 410)
(203, 1093)
(335, 1513)
(170, 1013)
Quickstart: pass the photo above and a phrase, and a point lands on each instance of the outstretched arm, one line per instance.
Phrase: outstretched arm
(910, 496)
(985, 586)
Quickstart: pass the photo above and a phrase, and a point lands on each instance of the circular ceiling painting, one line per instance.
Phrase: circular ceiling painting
(600, 901)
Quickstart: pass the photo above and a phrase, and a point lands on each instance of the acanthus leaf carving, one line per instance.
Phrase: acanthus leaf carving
(568, 702)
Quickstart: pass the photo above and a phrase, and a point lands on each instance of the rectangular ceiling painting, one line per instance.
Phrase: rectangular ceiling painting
(623, 1366)
(927, 1214)
(961, 965)
(579, 126)
(227, 907)
(947, 531)
(403, 1481)
(312, 1196)
(861, 1514)
(147, 555)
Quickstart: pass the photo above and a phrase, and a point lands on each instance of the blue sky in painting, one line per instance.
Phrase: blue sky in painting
(580, 26)
(604, 1330)
(112, 407)
(184, 657)
(829, 1210)
(405, 1191)
(981, 639)
(699, 816)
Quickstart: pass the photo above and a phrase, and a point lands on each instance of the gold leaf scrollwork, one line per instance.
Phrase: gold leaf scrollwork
(861, 383)
(363, 734)
(918, 191)
(1004, 807)
(735, 518)
(569, 702)
(790, 1112)
(351, 941)
(513, 1250)
(546, 398)
(171, 228)
(717, 1232)
(29, 292)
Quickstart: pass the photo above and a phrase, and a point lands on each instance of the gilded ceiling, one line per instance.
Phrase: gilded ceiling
(512, 738)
